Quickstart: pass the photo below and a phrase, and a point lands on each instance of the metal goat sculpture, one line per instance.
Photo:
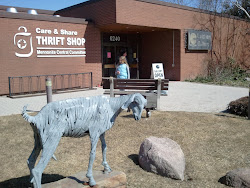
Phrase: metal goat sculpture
(78, 117)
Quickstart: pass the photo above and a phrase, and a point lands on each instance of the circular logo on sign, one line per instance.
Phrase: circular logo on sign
(21, 44)
(193, 39)
(157, 66)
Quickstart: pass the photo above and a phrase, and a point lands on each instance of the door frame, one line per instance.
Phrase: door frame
(119, 44)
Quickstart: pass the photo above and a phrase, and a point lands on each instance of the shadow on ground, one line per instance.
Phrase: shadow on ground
(223, 180)
(24, 182)
(134, 158)
(129, 115)
(227, 113)
(77, 180)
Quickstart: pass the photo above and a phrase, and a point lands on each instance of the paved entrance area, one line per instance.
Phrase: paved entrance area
(194, 97)
(182, 96)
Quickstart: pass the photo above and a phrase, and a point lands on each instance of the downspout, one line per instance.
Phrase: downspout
(173, 50)
(137, 59)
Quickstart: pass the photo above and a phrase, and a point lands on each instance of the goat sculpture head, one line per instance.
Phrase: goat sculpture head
(137, 103)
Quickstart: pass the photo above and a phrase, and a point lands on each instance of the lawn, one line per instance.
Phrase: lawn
(213, 144)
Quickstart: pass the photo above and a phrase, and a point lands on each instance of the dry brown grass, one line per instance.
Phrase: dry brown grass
(213, 144)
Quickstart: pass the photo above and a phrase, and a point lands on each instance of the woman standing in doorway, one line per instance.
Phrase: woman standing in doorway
(122, 70)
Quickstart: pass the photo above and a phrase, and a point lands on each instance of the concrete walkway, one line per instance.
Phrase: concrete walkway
(194, 97)
(182, 96)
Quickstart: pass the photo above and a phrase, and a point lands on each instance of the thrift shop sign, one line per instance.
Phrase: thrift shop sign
(48, 43)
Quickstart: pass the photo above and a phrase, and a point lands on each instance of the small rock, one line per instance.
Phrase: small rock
(239, 178)
(162, 156)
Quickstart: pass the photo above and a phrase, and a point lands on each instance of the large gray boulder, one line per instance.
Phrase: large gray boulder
(162, 156)
(239, 178)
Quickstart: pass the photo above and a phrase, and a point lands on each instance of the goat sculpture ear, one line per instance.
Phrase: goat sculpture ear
(128, 102)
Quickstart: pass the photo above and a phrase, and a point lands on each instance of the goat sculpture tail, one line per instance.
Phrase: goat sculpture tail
(26, 116)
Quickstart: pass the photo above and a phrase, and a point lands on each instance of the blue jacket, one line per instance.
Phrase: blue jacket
(124, 71)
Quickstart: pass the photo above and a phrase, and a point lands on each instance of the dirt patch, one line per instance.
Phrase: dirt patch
(213, 144)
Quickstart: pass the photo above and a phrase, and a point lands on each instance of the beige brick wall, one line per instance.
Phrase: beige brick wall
(101, 12)
(11, 65)
(158, 47)
(133, 12)
(155, 15)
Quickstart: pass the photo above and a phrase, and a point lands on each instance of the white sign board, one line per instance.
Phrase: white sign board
(158, 71)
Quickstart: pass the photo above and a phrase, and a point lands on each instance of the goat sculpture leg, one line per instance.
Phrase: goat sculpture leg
(107, 169)
(48, 150)
(89, 174)
(33, 156)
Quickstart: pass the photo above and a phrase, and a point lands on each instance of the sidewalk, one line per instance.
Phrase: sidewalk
(15, 105)
(182, 96)
(195, 97)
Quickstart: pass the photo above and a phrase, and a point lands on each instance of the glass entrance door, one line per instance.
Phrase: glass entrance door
(109, 59)
(112, 47)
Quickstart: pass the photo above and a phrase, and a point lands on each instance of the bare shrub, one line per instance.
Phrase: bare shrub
(239, 106)
(224, 72)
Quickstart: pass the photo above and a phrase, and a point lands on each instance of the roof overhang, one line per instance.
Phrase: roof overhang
(133, 29)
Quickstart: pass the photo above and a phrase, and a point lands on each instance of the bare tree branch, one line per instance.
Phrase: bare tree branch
(236, 3)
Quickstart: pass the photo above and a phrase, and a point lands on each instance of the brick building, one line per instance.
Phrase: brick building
(88, 37)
